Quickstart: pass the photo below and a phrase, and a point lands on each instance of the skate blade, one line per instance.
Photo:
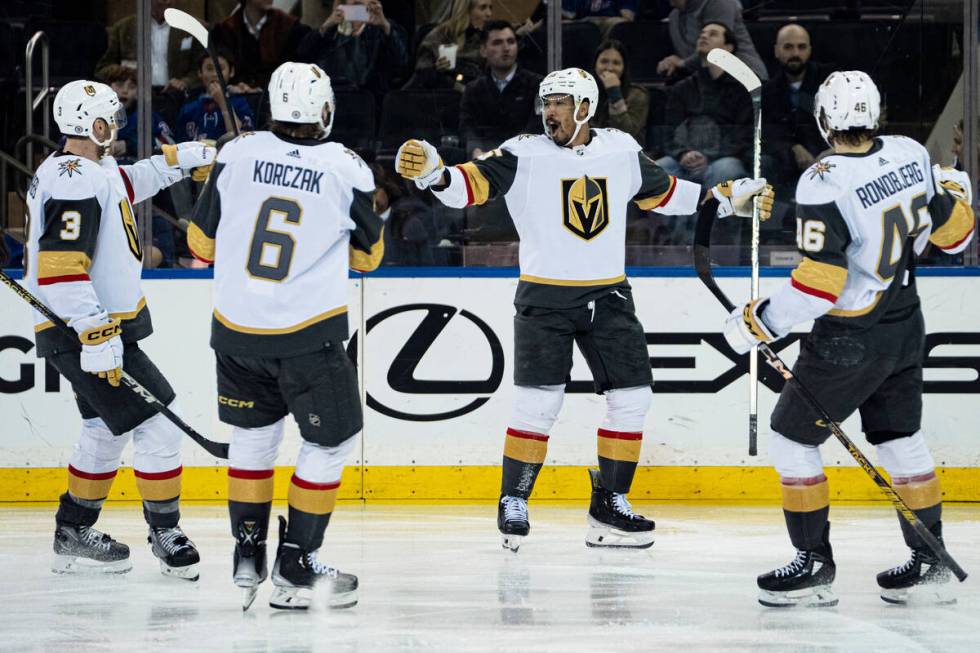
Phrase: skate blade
(601, 536)
(248, 596)
(920, 595)
(820, 596)
(291, 598)
(511, 542)
(188, 572)
(342, 600)
(78, 565)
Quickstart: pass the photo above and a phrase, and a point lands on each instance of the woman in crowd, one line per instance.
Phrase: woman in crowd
(434, 66)
(621, 104)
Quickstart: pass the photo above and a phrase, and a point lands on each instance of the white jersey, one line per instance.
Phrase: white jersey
(282, 220)
(84, 254)
(861, 220)
(569, 207)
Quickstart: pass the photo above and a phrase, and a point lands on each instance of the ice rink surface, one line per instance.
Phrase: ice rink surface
(433, 578)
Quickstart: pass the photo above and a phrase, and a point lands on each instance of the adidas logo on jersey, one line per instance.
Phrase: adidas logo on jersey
(882, 161)
(294, 154)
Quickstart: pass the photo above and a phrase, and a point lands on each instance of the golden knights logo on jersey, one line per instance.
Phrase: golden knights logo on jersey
(585, 206)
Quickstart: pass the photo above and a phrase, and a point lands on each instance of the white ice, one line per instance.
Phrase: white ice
(433, 578)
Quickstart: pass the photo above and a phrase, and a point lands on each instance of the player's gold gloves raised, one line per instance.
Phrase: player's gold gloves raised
(194, 156)
(953, 181)
(735, 197)
(419, 161)
(102, 346)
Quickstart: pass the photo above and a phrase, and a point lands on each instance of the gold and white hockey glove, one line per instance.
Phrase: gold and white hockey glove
(419, 161)
(102, 346)
(192, 155)
(745, 327)
(953, 181)
(735, 197)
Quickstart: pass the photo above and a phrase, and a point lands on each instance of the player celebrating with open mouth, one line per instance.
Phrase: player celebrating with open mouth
(567, 192)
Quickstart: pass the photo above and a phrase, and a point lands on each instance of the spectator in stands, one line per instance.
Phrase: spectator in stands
(621, 104)
(686, 21)
(122, 79)
(711, 117)
(434, 67)
(791, 140)
(207, 116)
(406, 240)
(604, 13)
(259, 38)
(173, 52)
(363, 55)
(500, 103)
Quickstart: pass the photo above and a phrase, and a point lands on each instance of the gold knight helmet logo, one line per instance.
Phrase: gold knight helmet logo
(585, 206)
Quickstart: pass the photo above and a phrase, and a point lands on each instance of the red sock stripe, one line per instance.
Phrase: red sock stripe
(527, 435)
(919, 478)
(621, 435)
(250, 474)
(101, 476)
(308, 485)
(47, 281)
(795, 480)
(158, 476)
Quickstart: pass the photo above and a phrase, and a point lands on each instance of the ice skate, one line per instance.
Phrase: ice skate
(803, 582)
(612, 522)
(250, 568)
(512, 522)
(177, 554)
(922, 579)
(296, 572)
(82, 549)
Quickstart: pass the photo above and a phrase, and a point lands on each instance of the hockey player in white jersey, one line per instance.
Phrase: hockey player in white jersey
(283, 216)
(567, 192)
(863, 214)
(84, 261)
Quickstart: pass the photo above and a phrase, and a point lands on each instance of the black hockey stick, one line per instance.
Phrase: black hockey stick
(216, 449)
(186, 23)
(702, 265)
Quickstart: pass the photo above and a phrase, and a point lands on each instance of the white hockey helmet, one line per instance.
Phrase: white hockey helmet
(577, 83)
(298, 92)
(847, 100)
(80, 103)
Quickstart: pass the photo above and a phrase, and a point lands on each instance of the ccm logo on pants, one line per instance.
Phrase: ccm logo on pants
(235, 403)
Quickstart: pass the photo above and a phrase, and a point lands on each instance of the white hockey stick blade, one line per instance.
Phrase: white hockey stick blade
(733, 66)
(186, 23)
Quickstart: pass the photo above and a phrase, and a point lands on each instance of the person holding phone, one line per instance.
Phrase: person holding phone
(358, 46)
(439, 63)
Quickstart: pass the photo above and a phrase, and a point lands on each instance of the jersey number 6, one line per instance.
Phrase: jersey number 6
(264, 238)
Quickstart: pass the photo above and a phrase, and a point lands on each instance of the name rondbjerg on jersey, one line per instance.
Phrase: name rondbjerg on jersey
(287, 176)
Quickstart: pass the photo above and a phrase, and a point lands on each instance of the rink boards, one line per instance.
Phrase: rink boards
(436, 371)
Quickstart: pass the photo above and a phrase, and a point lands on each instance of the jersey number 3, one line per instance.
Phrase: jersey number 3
(271, 253)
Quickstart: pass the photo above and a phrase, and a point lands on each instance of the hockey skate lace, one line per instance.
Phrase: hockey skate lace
(97, 539)
(319, 568)
(622, 505)
(904, 567)
(793, 567)
(514, 509)
(170, 539)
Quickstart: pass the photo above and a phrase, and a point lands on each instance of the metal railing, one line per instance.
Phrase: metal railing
(43, 97)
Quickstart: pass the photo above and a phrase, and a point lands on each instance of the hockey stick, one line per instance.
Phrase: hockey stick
(702, 265)
(744, 75)
(216, 449)
(186, 23)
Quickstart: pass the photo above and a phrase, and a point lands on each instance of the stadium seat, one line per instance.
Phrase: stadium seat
(405, 114)
(648, 43)
(657, 132)
(578, 44)
(354, 125)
